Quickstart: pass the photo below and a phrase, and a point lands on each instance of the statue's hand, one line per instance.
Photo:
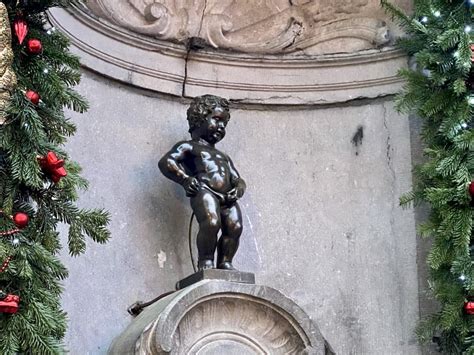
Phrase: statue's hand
(240, 191)
(191, 186)
(232, 195)
(235, 194)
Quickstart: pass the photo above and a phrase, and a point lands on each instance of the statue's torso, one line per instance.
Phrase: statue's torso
(210, 166)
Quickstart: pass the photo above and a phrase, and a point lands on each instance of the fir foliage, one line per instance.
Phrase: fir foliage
(35, 272)
(440, 91)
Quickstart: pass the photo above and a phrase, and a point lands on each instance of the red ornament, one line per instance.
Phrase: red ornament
(33, 96)
(21, 219)
(9, 304)
(21, 29)
(34, 46)
(471, 189)
(53, 166)
(472, 52)
(469, 307)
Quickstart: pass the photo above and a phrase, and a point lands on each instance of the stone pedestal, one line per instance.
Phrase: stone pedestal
(216, 316)
(216, 274)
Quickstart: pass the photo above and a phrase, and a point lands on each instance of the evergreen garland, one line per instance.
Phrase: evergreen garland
(440, 91)
(31, 131)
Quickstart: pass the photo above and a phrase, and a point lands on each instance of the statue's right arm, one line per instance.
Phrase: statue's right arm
(170, 165)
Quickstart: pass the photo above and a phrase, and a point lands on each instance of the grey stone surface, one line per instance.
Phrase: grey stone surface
(321, 219)
(428, 304)
(215, 316)
(216, 274)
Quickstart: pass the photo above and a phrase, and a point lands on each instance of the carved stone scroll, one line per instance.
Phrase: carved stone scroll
(165, 19)
(262, 26)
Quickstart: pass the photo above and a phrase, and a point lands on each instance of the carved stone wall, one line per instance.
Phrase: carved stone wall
(305, 53)
(263, 26)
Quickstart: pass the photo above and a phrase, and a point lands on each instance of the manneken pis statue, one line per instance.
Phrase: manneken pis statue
(210, 179)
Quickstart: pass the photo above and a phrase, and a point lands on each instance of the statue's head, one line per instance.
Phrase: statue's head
(207, 117)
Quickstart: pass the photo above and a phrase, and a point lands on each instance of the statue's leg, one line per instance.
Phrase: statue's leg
(229, 242)
(207, 211)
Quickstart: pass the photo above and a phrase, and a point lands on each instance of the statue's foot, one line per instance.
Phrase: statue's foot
(205, 264)
(226, 265)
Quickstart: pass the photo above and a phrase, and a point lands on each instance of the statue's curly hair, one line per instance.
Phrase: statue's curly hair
(201, 106)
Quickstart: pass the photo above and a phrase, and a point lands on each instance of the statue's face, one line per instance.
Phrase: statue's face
(213, 129)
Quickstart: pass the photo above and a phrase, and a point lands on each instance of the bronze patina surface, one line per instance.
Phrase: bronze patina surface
(210, 179)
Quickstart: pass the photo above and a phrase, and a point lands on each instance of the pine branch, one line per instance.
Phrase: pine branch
(31, 131)
(438, 92)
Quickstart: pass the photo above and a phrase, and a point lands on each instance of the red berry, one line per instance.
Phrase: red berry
(34, 46)
(21, 220)
(33, 96)
(469, 307)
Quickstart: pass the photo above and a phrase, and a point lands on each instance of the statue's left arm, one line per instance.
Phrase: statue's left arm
(238, 183)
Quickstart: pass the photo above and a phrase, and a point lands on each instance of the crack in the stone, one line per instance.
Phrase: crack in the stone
(388, 143)
(394, 196)
(202, 18)
(252, 103)
(183, 89)
(190, 45)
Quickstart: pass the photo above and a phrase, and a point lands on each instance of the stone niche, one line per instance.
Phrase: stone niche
(215, 316)
(332, 236)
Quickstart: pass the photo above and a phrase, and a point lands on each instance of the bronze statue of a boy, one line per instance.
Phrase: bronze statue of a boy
(209, 177)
